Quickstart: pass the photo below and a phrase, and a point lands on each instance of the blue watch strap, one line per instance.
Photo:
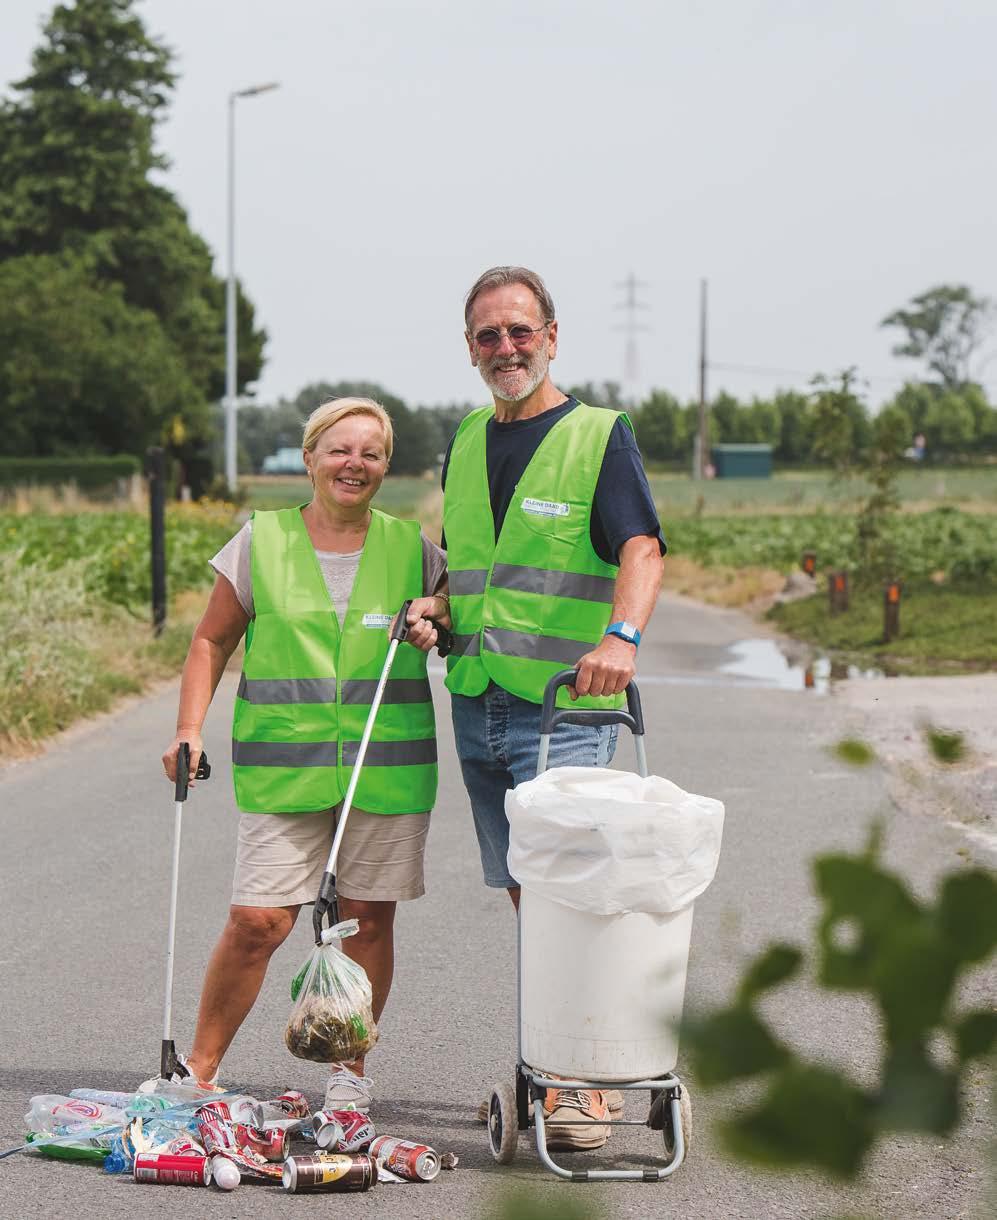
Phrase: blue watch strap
(626, 631)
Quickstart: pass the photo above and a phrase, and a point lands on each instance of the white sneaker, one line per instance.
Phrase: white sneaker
(181, 1075)
(346, 1090)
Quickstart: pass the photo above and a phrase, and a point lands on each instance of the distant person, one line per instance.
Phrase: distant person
(311, 589)
(555, 560)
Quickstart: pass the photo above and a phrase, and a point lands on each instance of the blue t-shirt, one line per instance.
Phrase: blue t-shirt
(622, 508)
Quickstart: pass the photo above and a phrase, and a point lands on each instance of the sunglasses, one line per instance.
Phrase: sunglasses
(520, 336)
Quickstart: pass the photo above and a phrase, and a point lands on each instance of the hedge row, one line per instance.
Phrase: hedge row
(88, 473)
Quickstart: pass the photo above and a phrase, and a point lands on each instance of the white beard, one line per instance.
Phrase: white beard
(534, 370)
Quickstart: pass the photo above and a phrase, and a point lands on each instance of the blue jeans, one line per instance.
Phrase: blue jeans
(497, 737)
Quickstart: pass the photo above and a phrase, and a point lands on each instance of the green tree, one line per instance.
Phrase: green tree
(795, 440)
(841, 429)
(724, 414)
(660, 426)
(602, 394)
(949, 425)
(76, 152)
(80, 369)
(917, 398)
(944, 327)
(415, 447)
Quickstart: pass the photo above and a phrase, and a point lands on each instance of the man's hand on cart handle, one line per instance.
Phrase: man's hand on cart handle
(605, 670)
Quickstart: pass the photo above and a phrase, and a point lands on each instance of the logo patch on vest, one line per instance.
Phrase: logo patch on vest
(377, 620)
(545, 508)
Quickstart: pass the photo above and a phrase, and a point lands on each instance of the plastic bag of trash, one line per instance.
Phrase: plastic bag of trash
(611, 842)
(332, 1020)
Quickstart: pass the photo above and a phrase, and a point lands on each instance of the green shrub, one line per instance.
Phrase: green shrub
(88, 473)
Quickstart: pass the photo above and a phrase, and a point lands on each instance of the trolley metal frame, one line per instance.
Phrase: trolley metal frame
(515, 1108)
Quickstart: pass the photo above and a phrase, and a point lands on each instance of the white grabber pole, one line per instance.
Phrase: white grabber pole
(327, 902)
(168, 1053)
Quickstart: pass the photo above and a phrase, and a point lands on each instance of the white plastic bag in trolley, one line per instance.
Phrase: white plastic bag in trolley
(611, 842)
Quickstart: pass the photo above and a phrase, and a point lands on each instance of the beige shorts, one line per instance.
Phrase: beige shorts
(280, 857)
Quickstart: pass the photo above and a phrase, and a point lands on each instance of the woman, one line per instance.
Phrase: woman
(313, 589)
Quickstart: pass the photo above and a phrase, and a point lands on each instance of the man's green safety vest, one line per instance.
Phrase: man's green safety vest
(539, 598)
(307, 684)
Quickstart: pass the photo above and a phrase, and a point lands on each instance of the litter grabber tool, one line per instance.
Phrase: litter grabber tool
(168, 1061)
(327, 902)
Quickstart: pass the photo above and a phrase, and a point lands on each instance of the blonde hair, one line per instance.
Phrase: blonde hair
(334, 409)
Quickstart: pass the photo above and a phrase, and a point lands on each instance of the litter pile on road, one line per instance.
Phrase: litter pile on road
(187, 1136)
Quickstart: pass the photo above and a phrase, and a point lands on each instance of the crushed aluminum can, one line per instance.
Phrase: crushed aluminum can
(220, 1139)
(327, 1129)
(271, 1144)
(416, 1162)
(355, 1130)
(296, 1128)
(288, 1105)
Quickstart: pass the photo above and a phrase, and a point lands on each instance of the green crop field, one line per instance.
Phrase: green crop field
(808, 491)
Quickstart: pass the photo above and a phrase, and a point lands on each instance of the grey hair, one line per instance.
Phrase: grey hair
(502, 277)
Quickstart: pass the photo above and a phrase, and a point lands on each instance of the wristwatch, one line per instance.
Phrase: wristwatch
(626, 631)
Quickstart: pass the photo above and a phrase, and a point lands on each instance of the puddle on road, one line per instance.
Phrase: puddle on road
(763, 663)
(757, 663)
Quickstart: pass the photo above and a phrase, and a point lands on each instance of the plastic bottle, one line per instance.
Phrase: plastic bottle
(51, 1111)
(136, 1103)
(116, 1161)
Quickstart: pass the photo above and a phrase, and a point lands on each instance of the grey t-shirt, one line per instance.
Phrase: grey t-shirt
(340, 571)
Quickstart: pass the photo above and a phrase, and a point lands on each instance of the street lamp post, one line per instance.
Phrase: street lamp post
(231, 397)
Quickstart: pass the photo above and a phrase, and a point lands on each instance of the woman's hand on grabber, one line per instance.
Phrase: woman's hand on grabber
(193, 739)
(421, 632)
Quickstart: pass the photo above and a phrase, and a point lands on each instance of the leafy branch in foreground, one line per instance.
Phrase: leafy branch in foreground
(876, 938)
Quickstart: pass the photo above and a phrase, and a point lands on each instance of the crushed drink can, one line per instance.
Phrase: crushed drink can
(329, 1172)
(221, 1139)
(327, 1129)
(183, 1145)
(416, 1162)
(272, 1144)
(172, 1170)
(217, 1111)
(291, 1104)
(343, 1130)
(296, 1128)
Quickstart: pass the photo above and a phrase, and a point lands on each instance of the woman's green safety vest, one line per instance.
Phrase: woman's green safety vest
(307, 685)
(539, 598)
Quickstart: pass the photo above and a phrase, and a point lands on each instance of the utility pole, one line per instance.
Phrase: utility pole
(631, 363)
(702, 436)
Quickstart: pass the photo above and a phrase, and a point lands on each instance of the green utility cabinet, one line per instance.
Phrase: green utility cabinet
(742, 461)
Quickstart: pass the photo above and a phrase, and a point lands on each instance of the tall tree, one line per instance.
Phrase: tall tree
(76, 152)
(945, 326)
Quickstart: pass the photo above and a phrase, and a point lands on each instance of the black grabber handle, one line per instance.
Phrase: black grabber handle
(183, 770)
(327, 903)
(444, 638)
(551, 715)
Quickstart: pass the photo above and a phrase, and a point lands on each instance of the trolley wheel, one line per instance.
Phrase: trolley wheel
(503, 1123)
(685, 1116)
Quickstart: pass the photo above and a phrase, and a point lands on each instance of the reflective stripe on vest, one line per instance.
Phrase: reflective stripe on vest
(539, 598)
(307, 684)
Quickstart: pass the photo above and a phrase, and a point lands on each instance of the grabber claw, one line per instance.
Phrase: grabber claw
(327, 903)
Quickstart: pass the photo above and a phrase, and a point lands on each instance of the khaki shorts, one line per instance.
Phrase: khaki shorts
(280, 857)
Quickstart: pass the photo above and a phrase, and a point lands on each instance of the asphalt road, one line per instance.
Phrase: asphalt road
(86, 837)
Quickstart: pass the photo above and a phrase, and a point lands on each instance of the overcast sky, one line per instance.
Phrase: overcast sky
(817, 163)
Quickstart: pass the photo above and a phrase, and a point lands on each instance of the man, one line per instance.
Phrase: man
(554, 552)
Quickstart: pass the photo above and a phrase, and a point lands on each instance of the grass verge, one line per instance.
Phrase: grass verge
(67, 656)
(943, 629)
